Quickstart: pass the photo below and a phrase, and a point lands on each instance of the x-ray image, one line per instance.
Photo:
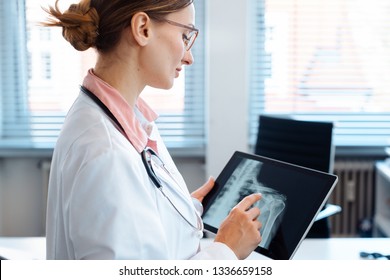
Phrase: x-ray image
(241, 183)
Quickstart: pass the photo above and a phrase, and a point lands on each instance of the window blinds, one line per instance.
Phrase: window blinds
(14, 116)
(32, 103)
(326, 61)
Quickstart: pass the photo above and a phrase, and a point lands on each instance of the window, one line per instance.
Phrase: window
(44, 34)
(46, 66)
(323, 60)
(41, 72)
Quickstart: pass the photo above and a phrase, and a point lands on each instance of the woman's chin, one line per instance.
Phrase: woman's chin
(165, 86)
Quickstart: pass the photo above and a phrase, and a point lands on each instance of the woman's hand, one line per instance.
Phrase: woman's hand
(200, 193)
(240, 231)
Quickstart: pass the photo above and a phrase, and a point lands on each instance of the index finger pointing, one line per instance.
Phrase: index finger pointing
(248, 201)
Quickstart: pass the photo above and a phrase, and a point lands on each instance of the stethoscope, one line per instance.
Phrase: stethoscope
(149, 158)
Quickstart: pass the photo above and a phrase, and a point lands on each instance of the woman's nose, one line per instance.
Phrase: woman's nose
(188, 58)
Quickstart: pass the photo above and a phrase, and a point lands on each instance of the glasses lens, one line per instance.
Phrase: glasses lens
(191, 40)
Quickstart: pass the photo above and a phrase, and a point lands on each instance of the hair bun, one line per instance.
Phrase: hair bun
(80, 26)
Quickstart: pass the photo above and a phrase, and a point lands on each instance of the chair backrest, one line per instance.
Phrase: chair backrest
(303, 143)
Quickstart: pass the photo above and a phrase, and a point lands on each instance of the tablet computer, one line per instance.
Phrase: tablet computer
(292, 197)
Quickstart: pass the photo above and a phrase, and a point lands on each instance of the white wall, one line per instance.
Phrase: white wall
(228, 90)
(21, 197)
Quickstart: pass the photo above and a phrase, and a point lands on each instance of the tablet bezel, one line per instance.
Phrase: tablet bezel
(329, 181)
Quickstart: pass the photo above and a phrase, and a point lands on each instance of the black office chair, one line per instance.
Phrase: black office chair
(303, 143)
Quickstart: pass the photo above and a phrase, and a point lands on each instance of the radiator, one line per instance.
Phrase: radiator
(354, 192)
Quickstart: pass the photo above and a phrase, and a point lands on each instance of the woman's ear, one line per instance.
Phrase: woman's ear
(141, 28)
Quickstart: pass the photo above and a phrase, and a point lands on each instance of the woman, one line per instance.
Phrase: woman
(105, 196)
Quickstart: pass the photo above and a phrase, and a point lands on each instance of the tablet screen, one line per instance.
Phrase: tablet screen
(291, 198)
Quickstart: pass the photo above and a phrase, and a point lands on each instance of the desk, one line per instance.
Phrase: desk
(340, 248)
(333, 248)
(26, 248)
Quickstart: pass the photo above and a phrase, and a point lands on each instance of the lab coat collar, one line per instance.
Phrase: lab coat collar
(122, 111)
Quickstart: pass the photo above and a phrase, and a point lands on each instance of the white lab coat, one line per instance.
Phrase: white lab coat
(103, 205)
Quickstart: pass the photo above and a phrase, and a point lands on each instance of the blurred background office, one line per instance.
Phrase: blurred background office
(311, 60)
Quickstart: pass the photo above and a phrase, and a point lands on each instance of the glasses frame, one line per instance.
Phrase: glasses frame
(188, 41)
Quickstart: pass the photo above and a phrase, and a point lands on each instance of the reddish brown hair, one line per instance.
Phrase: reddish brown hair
(99, 23)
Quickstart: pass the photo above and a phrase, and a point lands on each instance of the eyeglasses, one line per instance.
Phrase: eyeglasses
(374, 255)
(187, 39)
(150, 159)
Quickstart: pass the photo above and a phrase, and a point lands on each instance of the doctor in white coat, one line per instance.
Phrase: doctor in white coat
(114, 191)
